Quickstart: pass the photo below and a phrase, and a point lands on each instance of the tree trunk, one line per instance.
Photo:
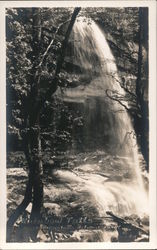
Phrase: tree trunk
(36, 174)
(142, 122)
(20, 209)
(36, 168)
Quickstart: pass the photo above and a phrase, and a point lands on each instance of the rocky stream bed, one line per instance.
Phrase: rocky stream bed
(74, 206)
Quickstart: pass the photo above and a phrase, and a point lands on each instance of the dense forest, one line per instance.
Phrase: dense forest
(48, 130)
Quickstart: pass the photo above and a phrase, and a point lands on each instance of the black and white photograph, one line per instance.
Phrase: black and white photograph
(79, 151)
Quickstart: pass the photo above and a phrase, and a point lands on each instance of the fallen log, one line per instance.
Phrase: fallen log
(125, 223)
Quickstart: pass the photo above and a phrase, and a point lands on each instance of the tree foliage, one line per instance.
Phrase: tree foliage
(32, 103)
(36, 42)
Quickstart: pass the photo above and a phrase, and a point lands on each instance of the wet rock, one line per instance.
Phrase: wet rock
(142, 238)
(41, 236)
(29, 208)
(53, 208)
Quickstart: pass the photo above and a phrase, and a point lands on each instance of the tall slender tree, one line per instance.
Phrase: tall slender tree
(31, 138)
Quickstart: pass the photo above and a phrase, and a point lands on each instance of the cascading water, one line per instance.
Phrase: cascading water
(117, 185)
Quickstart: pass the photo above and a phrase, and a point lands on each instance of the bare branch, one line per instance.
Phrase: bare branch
(116, 99)
(123, 86)
(51, 43)
(117, 111)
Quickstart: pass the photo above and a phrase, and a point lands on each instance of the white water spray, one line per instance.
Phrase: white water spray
(125, 195)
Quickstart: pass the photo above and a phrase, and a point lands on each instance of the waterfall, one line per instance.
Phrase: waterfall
(105, 121)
